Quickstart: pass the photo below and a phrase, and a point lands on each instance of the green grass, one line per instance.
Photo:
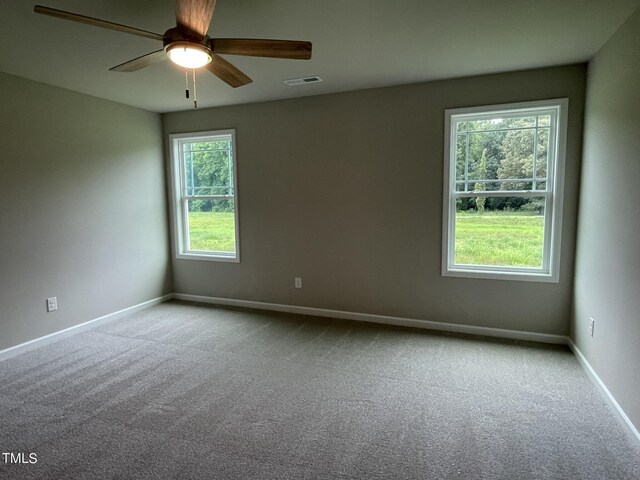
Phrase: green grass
(212, 231)
(492, 239)
(499, 240)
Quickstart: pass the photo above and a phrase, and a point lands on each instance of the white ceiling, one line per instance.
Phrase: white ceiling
(356, 44)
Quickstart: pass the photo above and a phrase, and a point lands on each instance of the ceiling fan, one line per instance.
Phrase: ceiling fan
(189, 46)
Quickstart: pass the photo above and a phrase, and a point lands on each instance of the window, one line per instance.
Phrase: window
(503, 191)
(205, 204)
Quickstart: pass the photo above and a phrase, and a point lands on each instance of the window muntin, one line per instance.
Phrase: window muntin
(503, 184)
(205, 202)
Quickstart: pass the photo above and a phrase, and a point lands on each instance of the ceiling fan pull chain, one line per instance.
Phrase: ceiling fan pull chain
(186, 82)
(195, 93)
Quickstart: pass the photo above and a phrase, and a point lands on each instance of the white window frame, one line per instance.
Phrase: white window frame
(554, 192)
(179, 197)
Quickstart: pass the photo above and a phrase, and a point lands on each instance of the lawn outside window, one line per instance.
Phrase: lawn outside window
(503, 189)
(205, 204)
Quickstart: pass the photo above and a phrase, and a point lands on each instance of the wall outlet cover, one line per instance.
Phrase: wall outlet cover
(52, 304)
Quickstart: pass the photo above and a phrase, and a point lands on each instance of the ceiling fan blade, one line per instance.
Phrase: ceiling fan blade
(95, 22)
(193, 17)
(140, 62)
(292, 49)
(227, 72)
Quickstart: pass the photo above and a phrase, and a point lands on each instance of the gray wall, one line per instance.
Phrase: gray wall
(82, 208)
(345, 190)
(607, 285)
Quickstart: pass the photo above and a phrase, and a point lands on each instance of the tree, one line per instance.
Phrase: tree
(518, 159)
(481, 186)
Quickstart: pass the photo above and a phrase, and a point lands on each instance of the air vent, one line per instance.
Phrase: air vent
(301, 81)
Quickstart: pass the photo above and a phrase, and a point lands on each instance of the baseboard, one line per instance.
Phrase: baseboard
(600, 384)
(388, 320)
(322, 312)
(55, 336)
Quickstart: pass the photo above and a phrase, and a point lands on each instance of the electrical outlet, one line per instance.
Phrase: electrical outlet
(298, 282)
(52, 304)
(592, 324)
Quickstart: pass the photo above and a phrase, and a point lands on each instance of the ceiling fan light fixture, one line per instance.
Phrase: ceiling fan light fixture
(189, 55)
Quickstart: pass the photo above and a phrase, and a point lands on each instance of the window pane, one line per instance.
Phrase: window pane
(499, 231)
(517, 161)
(208, 168)
(504, 153)
(498, 122)
(479, 153)
(542, 159)
(544, 120)
(461, 156)
(211, 225)
(484, 157)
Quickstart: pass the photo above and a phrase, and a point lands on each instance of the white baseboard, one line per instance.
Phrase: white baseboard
(55, 336)
(367, 317)
(600, 384)
(322, 312)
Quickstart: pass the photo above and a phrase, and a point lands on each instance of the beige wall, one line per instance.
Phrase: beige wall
(82, 209)
(607, 285)
(345, 190)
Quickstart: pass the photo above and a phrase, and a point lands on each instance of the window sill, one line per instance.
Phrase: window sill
(518, 276)
(208, 257)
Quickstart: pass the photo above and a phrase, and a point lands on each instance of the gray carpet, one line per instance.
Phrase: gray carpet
(188, 391)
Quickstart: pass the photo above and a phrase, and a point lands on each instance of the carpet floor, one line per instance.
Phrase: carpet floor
(188, 391)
